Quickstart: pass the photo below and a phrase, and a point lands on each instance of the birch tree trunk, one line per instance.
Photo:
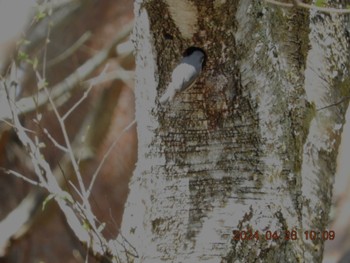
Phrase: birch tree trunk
(237, 168)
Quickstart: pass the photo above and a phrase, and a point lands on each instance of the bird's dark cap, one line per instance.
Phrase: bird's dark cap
(192, 49)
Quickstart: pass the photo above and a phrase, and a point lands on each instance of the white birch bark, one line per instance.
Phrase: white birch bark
(249, 147)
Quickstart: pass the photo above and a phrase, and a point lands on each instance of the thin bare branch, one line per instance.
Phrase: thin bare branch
(68, 144)
(76, 214)
(83, 97)
(3, 121)
(124, 75)
(76, 189)
(21, 176)
(76, 105)
(87, 211)
(42, 167)
(71, 50)
(298, 3)
(27, 142)
(59, 146)
(60, 14)
(345, 99)
(278, 3)
(105, 156)
(323, 9)
(30, 104)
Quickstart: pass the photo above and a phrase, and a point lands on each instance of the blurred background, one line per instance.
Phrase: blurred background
(62, 41)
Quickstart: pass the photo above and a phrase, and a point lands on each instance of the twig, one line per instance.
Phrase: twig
(59, 15)
(68, 144)
(27, 142)
(125, 75)
(28, 104)
(70, 51)
(334, 104)
(21, 176)
(298, 3)
(323, 9)
(279, 3)
(53, 181)
(83, 97)
(59, 146)
(47, 41)
(105, 156)
(75, 189)
(41, 168)
(86, 208)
